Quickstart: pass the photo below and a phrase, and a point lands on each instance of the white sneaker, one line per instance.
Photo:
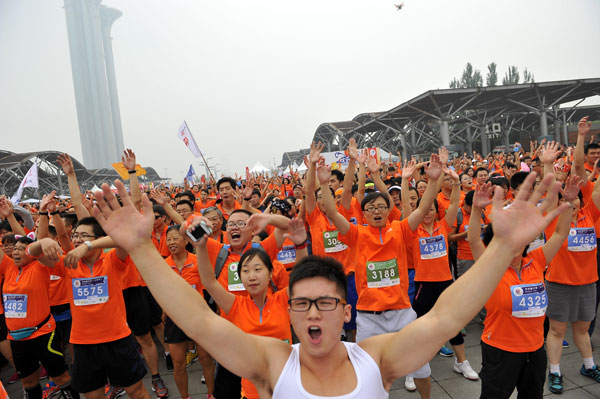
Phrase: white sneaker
(409, 384)
(466, 370)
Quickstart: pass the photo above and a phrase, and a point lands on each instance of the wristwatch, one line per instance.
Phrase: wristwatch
(88, 244)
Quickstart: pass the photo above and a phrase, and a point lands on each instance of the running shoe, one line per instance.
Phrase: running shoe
(111, 392)
(409, 384)
(466, 370)
(446, 352)
(555, 383)
(203, 380)
(169, 362)
(190, 357)
(159, 387)
(13, 378)
(565, 344)
(50, 390)
(43, 373)
(594, 372)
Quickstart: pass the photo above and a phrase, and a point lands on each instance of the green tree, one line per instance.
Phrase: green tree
(470, 78)
(492, 76)
(511, 77)
(527, 76)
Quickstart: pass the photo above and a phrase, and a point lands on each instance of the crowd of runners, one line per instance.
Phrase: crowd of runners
(396, 257)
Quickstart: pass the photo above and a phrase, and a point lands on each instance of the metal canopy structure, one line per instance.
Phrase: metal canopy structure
(13, 168)
(465, 119)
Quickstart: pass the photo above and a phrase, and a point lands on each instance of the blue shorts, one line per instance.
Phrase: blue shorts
(351, 299)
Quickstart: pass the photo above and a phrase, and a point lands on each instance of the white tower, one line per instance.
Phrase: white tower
(92, 65)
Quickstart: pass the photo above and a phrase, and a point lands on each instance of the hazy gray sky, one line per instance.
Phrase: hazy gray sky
(254, 79)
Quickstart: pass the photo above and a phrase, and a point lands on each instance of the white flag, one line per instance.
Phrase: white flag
(30, 180)
(186, 136)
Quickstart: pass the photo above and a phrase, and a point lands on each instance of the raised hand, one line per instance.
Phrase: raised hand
(434, 169)
(160, 198)
(247, 191)
(128, 159)
(352, 150)
(296, 231)
(373, 166)
(550, 152)
(483, 196)
(450, 173)
(46, 199)
(584, 126)
(66, 164)
(409, 169)
(124, 224)
(444, 155)
(362, 157)
(315, 152)
(517, 225)
(571, 188)
(323, 172)
(6, 207)
(51, 206)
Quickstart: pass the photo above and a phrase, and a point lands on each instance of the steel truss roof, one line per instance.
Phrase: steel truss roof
(465, 119)
(13, 168)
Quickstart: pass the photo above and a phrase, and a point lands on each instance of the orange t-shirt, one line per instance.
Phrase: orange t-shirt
(98, 313)
(236, 206)
(280, 276)
(199, 205)
(59, 290)
(273, 320)
(326, 240)
(586, 193)
(515, 315)
(25, 296)
(161, 244)
(189, 271)
(575, 262)
(443, 204)
(430, 253)
(228, 277)
(381, 265)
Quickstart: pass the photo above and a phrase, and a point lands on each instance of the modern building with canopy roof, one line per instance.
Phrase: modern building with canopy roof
(464, 120)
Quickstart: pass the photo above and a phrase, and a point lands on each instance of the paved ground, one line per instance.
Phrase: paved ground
(445, 382)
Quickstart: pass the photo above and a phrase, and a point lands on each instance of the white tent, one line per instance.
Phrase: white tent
(95, 188)
(258, 168)
(301, 167)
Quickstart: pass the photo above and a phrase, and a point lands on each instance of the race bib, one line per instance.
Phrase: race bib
(287, 254)
(15, 306)
(581, 239)
(529, 300)
(382, 274)
(90, 291)
(234, 282)
(432, 247)
(331, 243)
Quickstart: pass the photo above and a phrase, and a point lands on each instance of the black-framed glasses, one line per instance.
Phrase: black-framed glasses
(239, 224)
(380, 208)
(83, 236)
(324, 303)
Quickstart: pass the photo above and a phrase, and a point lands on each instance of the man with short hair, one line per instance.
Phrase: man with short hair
(322, 365)
(226, 189)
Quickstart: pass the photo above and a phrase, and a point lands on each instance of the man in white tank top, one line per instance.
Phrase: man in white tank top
(321, 365)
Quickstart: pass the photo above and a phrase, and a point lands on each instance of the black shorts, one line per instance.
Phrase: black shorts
(155, 309)
(117, 362)
(62, 316)
(139, 310)
(426, 295)
(3, 328)
(174, 334)
(503, 371)
(46, 349)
